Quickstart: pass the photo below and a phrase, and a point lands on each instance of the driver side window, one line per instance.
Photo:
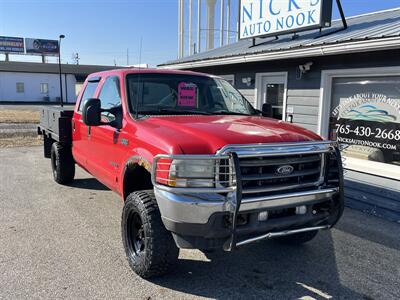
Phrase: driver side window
(110, 96)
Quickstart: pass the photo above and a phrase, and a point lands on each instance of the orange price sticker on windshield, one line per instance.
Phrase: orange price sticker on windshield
(187, 94)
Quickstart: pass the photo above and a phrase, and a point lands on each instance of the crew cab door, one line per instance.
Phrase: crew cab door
(104, 146)
(80, 130)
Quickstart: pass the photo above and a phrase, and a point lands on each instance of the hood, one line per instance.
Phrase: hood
(206, 134)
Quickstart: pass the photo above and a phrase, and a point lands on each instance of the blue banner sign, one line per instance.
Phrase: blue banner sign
(41, 47)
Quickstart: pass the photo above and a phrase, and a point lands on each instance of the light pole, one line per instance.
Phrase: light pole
(59, 67)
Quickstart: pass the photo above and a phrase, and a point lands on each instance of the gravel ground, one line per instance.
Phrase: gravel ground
(64, 242)
(18, 124)
(18, 134)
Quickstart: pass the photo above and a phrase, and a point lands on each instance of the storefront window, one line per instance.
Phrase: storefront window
(365, 117)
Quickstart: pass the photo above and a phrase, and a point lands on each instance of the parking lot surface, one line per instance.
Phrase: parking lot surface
(64, 242)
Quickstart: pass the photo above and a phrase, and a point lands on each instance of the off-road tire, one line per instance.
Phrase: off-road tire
(62, 163)
(159, 251)
(298, 238)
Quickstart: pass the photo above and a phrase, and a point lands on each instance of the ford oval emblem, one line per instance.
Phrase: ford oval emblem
(284, 170)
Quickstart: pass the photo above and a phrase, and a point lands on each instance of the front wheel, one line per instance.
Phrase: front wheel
(149, 247)
(297, 238)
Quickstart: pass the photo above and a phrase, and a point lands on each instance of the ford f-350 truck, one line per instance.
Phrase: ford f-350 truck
(196, 165)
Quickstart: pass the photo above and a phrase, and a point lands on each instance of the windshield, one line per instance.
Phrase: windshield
(155, 94)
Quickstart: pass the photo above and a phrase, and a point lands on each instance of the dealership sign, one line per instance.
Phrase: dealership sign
(41, 47)
(10, 44)
(275, 17)
(369, 120)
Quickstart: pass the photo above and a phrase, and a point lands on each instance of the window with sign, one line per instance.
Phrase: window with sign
(365, 117)
(154, 94)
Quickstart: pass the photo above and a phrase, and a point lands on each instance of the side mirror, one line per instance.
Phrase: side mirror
(91, 112)
(267, 110)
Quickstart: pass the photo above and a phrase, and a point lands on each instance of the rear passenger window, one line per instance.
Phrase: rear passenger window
(90, 89)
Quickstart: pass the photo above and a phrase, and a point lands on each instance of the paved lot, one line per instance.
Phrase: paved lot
(64, 242)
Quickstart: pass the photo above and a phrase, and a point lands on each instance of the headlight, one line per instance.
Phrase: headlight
(192, 173)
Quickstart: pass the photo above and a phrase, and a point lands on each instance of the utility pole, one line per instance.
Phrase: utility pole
(181, 30)
(198, 25)
(75, 58)
(59, 68)
(228, 22)
(221, 26)
(210, 24)
(190, 28)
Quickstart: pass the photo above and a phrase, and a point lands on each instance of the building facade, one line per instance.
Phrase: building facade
(40, 82)
(343, 86)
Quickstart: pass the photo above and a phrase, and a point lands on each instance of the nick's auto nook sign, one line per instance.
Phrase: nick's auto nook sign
(275, 17)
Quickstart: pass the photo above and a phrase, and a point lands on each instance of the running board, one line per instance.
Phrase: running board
(271, 235)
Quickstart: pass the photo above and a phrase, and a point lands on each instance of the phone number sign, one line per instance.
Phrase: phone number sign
(369, 133)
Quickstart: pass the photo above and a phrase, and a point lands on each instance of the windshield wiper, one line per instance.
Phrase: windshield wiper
(174, 111)
(225, 112)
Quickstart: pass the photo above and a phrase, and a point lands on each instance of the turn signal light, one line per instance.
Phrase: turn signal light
(162, 172)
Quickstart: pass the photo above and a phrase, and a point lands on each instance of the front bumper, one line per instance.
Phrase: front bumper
(203, 221)
(198, 208)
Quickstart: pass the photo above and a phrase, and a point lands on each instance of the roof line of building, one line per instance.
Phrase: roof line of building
(239, 51)
(370, 13)
(301, 52)
(51, 68)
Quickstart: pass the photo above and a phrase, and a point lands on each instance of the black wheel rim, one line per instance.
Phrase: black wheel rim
(136, 234)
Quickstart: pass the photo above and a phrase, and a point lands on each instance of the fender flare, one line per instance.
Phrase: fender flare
(132, 162)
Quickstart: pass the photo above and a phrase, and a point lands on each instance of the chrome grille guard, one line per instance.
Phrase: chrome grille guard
(232, 153)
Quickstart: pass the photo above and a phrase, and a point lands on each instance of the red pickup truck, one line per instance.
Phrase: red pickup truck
(196, 165)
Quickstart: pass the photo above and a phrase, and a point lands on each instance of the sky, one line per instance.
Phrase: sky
(104, 31)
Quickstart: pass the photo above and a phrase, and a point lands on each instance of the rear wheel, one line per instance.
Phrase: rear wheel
(149, 247)
(47, 143)
(298, 238)
(62, 163)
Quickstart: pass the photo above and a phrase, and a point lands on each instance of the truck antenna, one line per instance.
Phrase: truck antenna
(138, 89)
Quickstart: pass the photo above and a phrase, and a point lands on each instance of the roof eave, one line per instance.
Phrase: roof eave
(313, 51)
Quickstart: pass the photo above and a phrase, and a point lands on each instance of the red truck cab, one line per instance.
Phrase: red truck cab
(196, 164)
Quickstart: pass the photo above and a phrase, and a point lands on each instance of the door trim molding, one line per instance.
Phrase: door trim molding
(258, 89)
